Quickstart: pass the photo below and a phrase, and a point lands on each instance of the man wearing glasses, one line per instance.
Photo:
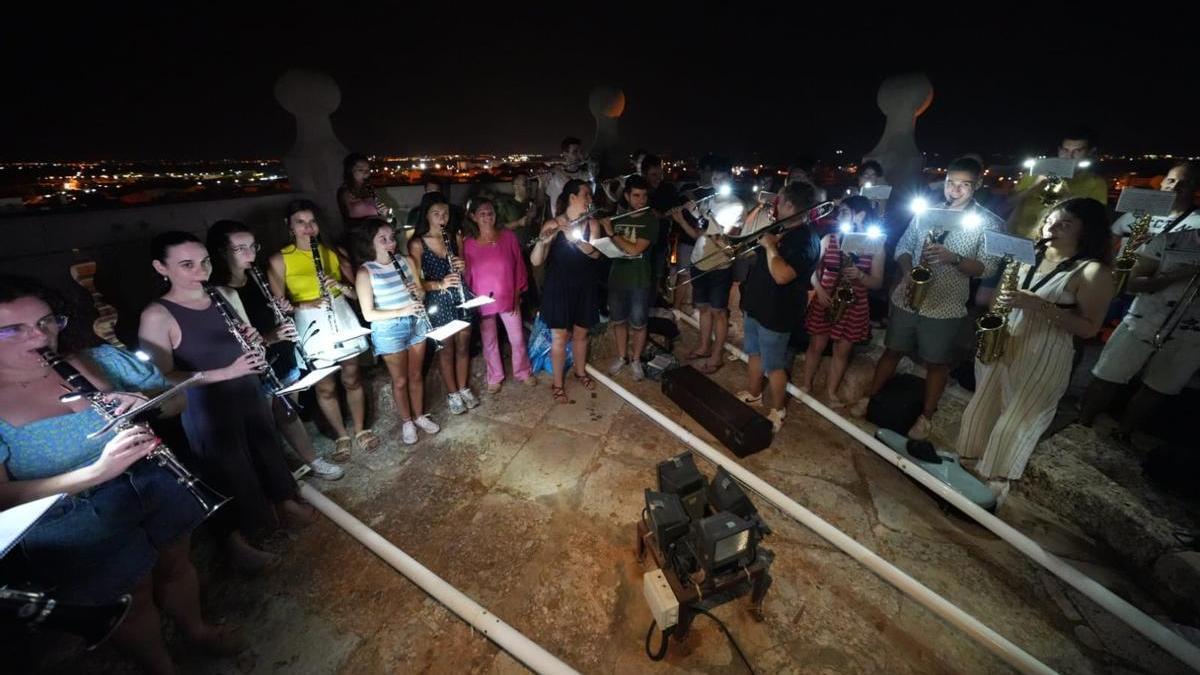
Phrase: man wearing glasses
(930, 332)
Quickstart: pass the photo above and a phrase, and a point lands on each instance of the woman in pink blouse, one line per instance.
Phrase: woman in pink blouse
(496, 269)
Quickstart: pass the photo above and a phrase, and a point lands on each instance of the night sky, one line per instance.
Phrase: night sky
(196, 81)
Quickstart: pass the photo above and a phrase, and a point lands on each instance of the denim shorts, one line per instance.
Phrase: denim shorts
(771, 346)
(392, 336)
(712, 289)
(629, 304)
(96, 545)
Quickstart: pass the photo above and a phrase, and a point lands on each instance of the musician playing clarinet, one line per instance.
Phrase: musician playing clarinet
(228, 417)
(1160, 334)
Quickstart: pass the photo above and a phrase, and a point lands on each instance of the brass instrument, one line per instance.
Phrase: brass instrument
(1127, 258)
(746, 244)
(843, 290)
(1053, 190)
(1178, 311)
(79, 386)
(281, 319)
(236, 326)
(921, 275)
(991, 334)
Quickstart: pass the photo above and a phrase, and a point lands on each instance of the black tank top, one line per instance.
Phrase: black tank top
(205, 342)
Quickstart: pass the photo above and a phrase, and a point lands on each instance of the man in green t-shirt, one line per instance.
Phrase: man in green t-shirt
(631, 279)
(1028, 209)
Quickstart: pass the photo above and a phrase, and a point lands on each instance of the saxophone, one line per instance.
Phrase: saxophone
(920, 276)
(843, 290)
(1053, 190)
(1123, 265)
(991, 332)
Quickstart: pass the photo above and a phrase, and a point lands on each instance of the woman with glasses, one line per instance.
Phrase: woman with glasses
(233, 249)
(124, 525)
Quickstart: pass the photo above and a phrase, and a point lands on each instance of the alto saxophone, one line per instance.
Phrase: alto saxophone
(843, 290)
(991, 334)
(920, 276)
(1123, 265)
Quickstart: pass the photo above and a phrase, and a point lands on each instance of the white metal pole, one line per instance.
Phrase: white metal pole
(508, 638)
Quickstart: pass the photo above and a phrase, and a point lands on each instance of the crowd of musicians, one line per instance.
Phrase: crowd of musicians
(239, 326)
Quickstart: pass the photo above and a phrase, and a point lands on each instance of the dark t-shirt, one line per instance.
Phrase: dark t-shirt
(634, 272)
(663, 199)
(781, 308)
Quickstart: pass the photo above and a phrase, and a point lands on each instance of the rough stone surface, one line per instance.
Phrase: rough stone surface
(1180, 572)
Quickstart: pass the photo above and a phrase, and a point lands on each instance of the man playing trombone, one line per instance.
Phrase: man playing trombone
(1161, 331)
(774, 301)
(928, 328)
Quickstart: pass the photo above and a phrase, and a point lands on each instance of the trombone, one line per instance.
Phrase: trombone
(740, 246)
(1172, 320)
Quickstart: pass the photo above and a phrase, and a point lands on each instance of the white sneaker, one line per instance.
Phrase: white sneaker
(920, 429)
(638, 373)
(427, 424)
(617, 364)
(455, 402)
(323, 468)
(468, 397)
(408, 433)
(746, 397)
(777, 417)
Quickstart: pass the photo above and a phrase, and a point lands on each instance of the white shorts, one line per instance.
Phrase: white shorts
(1167, 371)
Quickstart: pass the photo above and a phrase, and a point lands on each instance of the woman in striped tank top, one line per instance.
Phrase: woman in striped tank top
(391, 305)
(865, 274)
(1065, 295)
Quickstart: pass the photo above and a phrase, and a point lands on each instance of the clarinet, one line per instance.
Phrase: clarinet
(326, 296)
(79, 386)
(281, 319)
(235, 325)
(462, 287)
(422, 315)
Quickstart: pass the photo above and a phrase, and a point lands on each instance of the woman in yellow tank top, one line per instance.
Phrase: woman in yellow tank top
(293, 274)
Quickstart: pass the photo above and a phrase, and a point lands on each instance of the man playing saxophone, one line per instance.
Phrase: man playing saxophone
(1029, 197)
(1159, 336)
(929, 331)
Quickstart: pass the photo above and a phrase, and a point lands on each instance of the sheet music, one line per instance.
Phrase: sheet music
(1176, 258)
(477, 301)
(606, 246)
(942, 220)
(309, 380)
(859, 243)
(348, 334)
(877, 193)
(15, 522)
(1053, 166)
(999, 244)
(442, 332)
(1143, 200)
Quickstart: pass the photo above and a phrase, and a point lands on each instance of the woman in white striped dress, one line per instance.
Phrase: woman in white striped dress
(1064, 296)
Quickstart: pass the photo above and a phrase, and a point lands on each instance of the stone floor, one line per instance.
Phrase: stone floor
(529, 508)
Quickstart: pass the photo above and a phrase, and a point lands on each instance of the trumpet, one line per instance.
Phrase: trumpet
(1172, 320)
(236, 326)
(1127, 258)
(991, 334)
(921, 276)
(843, 290)
(744, 245)
(1052, 190)
(281, 319)
(79, 386)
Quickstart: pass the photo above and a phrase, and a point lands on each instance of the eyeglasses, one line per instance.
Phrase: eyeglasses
(242, 248)
(51, 323)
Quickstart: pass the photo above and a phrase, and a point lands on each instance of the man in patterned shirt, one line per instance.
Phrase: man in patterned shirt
(930, 332)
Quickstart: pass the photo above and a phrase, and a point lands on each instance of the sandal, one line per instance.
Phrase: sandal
(587, 382)
(367, 440)
(341, 449)
(560, 394)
